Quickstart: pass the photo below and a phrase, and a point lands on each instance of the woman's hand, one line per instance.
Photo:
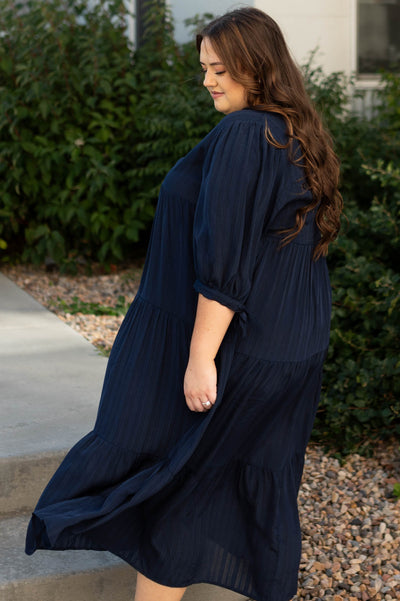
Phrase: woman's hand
(200, 383)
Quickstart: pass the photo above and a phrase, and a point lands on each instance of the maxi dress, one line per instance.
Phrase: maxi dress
(188, 497)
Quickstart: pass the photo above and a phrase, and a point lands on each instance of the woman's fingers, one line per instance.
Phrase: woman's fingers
(199, 405)
(200, 384)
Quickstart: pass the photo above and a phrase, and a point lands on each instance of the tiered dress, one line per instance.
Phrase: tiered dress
(207, 497)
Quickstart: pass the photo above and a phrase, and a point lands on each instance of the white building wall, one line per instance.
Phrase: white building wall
(329, 25)
(183, 9)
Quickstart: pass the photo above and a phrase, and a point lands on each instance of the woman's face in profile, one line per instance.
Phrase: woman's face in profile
(228, 95)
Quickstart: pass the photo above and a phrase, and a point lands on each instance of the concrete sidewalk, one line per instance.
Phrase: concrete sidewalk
(50, 384)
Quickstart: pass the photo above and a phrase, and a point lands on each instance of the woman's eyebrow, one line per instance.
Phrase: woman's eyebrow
(212, 64)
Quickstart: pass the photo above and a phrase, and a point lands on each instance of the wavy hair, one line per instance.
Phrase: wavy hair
(252, 47)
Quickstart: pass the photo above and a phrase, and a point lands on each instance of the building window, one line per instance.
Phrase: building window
(144, 15)
(378, 36)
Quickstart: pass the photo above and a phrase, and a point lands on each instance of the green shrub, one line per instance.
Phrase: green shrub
(361, 390)
(173, 112)
(67, 126)
(88, 129)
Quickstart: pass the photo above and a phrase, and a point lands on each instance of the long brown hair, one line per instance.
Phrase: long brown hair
(252, 47)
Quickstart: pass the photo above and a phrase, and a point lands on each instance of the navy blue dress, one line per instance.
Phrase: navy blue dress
(207, 497)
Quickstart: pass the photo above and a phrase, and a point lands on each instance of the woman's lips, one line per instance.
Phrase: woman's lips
(216, 94)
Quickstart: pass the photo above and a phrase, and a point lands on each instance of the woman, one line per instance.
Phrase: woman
(232, 316)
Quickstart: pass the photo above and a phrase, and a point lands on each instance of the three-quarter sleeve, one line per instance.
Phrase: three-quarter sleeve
(231, 212)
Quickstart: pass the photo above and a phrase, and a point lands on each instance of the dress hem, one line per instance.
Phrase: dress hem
(191, 582)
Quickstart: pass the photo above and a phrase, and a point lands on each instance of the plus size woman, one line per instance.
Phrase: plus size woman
(192, 470)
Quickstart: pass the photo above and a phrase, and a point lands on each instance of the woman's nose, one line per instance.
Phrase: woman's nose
(209, 80)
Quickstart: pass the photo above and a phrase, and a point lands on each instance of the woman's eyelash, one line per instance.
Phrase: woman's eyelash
(216, 73)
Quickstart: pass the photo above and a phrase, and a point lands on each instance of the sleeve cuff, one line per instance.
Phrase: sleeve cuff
(220, 297)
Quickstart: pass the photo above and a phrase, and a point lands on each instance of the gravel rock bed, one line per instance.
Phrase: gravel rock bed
(349, 516)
